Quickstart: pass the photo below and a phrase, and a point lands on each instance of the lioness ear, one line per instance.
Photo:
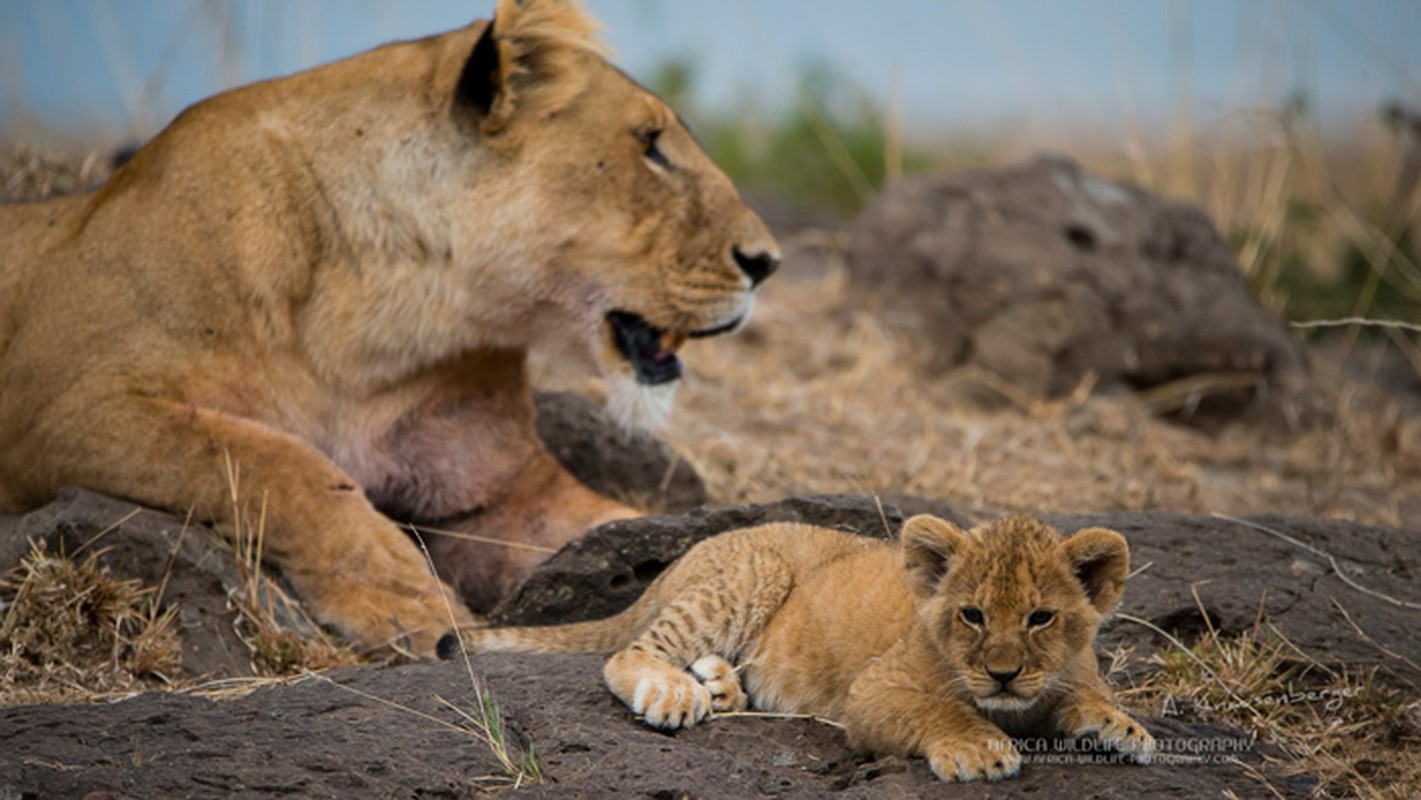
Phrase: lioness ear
(526, 61)
(929, 545)
(1100, 559)
(482, 75)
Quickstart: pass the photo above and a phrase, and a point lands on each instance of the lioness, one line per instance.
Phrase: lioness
(327, 285)
(941, 651)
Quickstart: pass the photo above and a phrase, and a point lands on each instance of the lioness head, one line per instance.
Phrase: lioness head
(1012, 602)
(625, 224)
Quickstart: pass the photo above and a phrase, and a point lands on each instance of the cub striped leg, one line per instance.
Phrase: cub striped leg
(692, 630)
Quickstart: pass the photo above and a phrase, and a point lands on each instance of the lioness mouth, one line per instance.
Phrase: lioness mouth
(652, 351)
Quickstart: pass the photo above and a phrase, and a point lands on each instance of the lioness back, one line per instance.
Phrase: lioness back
(938, 646)
(27, 228)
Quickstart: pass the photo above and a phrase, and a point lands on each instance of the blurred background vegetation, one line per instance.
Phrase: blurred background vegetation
(1325, 226)
(1321, 204)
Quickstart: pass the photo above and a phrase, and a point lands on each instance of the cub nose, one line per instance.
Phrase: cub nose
(1004, 678)
(758, 266)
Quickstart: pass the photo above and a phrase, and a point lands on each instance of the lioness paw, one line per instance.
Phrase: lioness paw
(413, 620)
(670, 701)
(990, 759)
(721, 680)
(1116, 730)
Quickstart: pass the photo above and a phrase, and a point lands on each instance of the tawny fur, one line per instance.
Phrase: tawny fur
(331, 281)
(811, 620)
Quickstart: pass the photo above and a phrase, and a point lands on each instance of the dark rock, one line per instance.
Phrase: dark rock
(137, 542)
(636, 469)
(604, 571)
(387, 732)
(315, 739)
(1237, 567)
(1041, 273)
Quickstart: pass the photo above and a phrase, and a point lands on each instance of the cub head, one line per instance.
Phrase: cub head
(623, 223)
(1010, 603)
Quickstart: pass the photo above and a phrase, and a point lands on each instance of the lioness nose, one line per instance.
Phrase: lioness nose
(1004, 677)
(758, 266)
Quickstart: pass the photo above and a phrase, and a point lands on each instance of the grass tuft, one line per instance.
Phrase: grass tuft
(282, 637)
(1348, 728)
(71, 631)
(484, 719)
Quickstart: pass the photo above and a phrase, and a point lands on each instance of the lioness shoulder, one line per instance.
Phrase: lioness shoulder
(944, 646)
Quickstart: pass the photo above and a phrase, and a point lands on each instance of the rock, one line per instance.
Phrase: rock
(1237, 567)
(604, 571)
(313, 738)
(1041, 274)
(136, 542)
(380, 731)
(637, 469)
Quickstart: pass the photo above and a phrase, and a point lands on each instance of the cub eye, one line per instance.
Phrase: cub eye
(1039, 618)
(653, 152)
(972, 616)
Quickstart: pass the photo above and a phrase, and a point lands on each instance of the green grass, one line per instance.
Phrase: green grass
(1320, 225)
(834, 147)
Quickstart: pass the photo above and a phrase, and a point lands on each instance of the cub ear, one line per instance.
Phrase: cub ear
(929, 545)
(1100, 559)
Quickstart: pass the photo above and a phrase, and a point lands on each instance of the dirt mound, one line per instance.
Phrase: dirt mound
(1040, 274)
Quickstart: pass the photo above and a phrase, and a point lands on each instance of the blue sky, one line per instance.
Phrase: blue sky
(111, 69)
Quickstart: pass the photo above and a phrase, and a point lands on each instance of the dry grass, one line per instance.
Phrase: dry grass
(1358, 736)
(819, 396)
(71, 631)
(281, 636)
(1322, 225)
(26, 173)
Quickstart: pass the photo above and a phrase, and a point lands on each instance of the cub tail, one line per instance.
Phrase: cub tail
(594, 636)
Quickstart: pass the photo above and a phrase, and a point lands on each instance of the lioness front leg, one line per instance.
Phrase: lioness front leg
(354, 568)
(541, 509)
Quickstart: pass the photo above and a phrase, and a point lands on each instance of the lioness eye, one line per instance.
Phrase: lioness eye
(653, 152)
(972, 616)
(1039, 618)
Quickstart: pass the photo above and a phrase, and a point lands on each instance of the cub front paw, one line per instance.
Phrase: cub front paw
(1115, 729)
(671, 700)
(721, 680)
(985, 759)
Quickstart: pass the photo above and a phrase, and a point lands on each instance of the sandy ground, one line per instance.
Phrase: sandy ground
(820, 395)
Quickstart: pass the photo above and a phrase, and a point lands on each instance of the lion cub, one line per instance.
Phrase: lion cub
(939, 647)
